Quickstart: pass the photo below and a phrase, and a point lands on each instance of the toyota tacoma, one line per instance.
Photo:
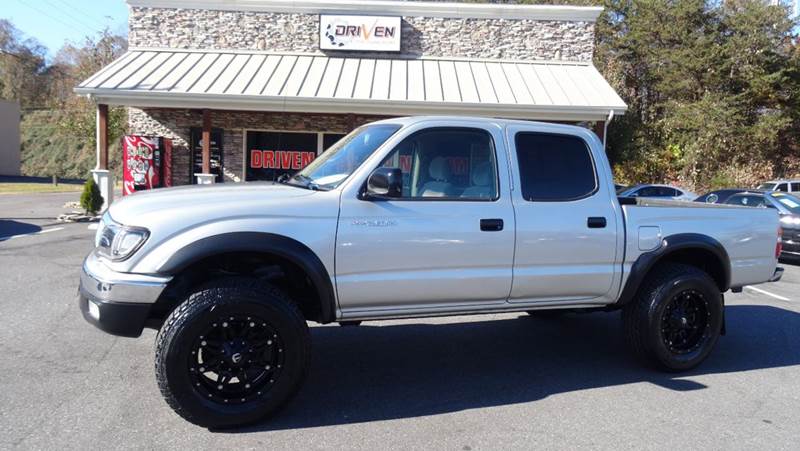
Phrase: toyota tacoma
(408, 218)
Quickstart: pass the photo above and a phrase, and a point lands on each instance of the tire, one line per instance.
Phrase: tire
(209, 366)
(675, 319)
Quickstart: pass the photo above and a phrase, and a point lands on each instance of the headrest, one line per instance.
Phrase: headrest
(439, 169)
(482, 174)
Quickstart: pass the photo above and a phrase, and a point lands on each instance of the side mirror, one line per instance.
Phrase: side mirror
(385, 183)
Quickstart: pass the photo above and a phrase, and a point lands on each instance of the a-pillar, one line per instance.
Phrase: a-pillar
(205, 177)
(101, 175)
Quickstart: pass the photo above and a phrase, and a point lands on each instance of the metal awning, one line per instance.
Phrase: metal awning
(316, 83)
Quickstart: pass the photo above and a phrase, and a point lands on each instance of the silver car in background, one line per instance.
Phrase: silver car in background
(658, 191)
(785, 186)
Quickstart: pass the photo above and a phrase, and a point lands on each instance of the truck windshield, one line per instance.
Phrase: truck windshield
(792, 203)
(341, 159)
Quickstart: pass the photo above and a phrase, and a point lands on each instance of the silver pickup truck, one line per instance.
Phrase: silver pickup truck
(406, 218)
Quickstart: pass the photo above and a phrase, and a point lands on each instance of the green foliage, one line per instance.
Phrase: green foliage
(712, 89)
(91, 199)
(47, 150)
(58, 128)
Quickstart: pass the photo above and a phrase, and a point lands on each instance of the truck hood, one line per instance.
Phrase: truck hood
(201, 202)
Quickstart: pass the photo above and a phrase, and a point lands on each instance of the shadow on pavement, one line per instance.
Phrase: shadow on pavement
(795, 261)
(11, 228)
(370, 373)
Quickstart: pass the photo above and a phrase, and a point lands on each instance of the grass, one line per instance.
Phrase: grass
(23, 188)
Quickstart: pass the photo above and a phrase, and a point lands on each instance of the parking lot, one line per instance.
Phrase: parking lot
(504, 381)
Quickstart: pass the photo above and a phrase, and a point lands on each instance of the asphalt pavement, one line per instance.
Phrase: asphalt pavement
(466, 383)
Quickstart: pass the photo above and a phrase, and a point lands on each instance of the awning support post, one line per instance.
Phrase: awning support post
(101, 174)
(206, 178)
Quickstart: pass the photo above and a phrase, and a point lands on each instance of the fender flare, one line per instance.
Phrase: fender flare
(669, 245)
(262, 242)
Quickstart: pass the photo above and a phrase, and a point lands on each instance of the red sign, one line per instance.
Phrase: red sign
(280, 159)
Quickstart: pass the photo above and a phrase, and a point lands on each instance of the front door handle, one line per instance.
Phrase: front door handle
(491, 225)
(596, 222)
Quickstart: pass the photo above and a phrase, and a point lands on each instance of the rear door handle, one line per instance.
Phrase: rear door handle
(491, 225)
(596, 222)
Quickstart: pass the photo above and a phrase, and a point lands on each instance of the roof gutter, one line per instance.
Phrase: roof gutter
(340, 106)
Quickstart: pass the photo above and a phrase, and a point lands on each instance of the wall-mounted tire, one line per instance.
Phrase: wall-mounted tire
(232, 353)
(675, 319)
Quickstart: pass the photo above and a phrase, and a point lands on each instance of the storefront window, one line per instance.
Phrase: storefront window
(273, 154)
(329, 139)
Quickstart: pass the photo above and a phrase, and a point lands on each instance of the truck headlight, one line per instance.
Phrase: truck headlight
(116, 241)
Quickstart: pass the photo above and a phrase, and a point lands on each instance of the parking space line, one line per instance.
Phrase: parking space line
(11, 237)
(765, 292)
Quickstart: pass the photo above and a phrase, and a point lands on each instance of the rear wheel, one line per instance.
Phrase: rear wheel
(675, 319)
(232, 353)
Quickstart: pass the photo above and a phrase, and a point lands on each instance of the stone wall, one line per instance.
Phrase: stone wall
(176, 124)
(421, 36)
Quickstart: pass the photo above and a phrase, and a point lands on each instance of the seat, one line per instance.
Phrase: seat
(481, 182)
(439, 186)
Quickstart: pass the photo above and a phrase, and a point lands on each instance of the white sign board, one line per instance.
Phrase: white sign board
(370, 33)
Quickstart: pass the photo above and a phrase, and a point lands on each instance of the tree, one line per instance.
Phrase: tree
(91, 199)
(712, 90)
(22, 67)
(79, 63)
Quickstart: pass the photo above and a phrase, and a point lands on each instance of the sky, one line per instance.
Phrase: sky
(51, 22)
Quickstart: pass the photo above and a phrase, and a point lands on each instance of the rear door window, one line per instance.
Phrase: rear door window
(554, 167)
(747, 200)
(795, 187)
(648, 191)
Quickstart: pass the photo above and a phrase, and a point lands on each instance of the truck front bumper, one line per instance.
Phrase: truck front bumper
(117, 303)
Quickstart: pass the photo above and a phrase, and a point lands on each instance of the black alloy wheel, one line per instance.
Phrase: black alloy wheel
(675, 319)
(235, 351)
(685, 322)
(236, 359)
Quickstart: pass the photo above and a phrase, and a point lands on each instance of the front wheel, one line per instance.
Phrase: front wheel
(235, 351)
(675, 319)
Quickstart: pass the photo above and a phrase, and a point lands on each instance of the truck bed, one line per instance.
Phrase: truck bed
(748, 234)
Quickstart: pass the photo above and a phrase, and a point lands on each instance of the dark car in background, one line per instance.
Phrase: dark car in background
(719, 196)
(788, 207)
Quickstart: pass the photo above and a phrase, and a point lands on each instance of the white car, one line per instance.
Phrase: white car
(785, 186)
(405, 218)
(658, 191)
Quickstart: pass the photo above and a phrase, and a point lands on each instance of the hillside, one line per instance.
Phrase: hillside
(48, 149)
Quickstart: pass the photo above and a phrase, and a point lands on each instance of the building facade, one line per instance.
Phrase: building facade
(9, 138)
(297, 75)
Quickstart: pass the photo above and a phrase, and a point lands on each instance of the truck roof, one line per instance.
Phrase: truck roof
(408, 120)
